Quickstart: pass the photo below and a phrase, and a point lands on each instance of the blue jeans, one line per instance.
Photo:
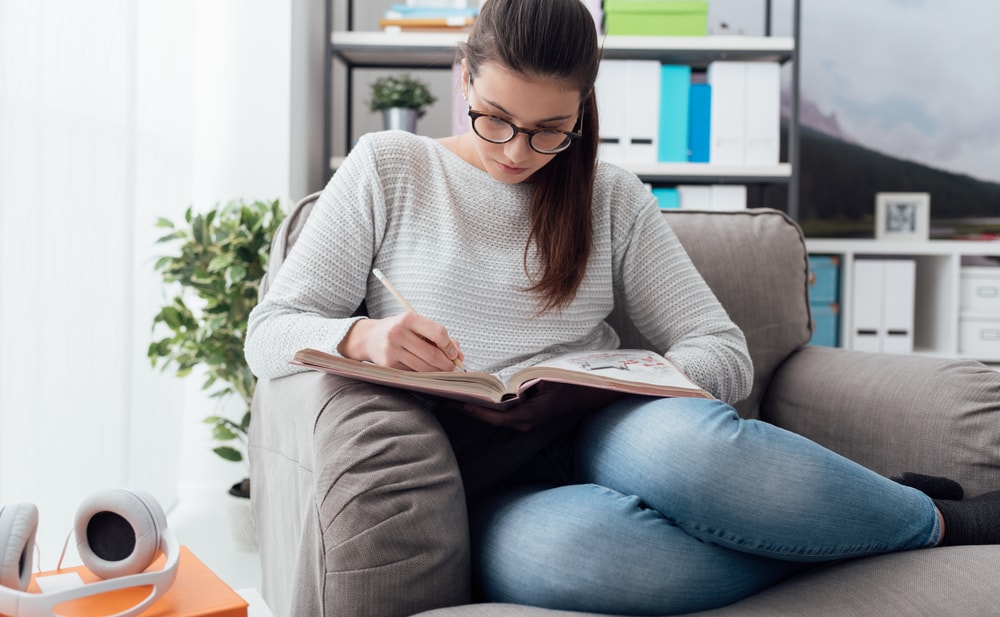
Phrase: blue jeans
(680, 505)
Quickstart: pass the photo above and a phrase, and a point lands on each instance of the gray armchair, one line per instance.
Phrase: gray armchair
(890, 413)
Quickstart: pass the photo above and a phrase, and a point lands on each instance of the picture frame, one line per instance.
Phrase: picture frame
(902, 217)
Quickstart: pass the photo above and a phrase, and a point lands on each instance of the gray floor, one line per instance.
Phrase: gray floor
(202, 521)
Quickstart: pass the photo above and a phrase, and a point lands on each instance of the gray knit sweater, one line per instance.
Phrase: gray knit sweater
(452, 241)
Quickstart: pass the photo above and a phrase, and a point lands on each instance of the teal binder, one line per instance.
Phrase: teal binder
(668, 197)
(675, 83)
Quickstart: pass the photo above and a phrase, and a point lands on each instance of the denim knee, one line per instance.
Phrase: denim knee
(588, 548)
(656, 437)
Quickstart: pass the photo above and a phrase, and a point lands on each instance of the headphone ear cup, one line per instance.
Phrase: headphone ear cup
(18, 526)
(118, 532)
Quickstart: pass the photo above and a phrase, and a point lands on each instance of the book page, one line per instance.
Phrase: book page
(622, 365)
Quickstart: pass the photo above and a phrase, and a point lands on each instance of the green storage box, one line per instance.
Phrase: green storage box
(656, 17)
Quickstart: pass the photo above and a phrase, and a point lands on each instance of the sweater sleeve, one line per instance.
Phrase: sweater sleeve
(672, 306)
(324, 278)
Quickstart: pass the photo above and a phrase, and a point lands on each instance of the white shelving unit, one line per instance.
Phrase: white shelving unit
(937, 314)
(423, 50)
(428, 49)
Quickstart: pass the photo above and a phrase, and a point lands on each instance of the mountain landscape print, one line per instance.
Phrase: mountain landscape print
(895, 96)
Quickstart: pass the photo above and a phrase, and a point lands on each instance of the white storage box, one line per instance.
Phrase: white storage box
(981, 290)
(979, 337)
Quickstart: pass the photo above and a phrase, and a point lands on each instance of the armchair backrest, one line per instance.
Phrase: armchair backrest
(754, 260)
(284, 238)
(756, 263)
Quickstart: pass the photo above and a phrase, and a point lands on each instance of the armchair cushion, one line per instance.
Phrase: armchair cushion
(938, 581)
(894, 413)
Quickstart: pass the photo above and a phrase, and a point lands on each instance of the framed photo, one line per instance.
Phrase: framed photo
(902, 216)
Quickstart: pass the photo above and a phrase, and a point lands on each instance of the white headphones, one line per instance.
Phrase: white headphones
(119, 532)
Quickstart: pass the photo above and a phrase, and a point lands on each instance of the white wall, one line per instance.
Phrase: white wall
(113, 113)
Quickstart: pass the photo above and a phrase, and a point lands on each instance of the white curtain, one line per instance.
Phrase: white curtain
(80, 408)
(113, 113)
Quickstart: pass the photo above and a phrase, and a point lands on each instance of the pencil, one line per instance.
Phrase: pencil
(406, 305)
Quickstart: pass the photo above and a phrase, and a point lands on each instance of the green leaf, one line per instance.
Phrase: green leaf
(163, 347)
(221, 432)
(235, 274)
(228, 453)
(170, 237)
(171, 317)
(212, 275)
(220, 261)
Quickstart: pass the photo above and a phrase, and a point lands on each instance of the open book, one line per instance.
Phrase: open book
(626, 370)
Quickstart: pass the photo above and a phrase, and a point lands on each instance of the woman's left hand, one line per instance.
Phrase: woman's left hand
(547, 401)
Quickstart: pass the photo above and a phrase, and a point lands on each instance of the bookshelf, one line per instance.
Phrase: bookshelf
(354, 49)
(429, 49)
(940, 314)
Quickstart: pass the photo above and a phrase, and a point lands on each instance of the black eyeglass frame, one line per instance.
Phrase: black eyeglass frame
(571, 135)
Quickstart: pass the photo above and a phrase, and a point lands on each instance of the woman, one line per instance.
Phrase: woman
(511, 240)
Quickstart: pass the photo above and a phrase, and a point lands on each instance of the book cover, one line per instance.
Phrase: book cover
(196, 592)
(400, 11)
(634, 371)
(426, 24)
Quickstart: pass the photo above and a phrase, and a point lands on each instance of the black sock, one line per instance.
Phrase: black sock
(972, 521)
(935, 487)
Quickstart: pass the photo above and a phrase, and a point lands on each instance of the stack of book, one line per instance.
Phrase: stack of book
(407, 18)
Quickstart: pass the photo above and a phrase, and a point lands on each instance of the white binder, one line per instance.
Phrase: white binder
(728, 115)
(628, 101)
(726, 197)
(884, 292)
(762, 145)
(612, 107)
(642, 112)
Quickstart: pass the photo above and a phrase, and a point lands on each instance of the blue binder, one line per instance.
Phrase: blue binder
(700, 119)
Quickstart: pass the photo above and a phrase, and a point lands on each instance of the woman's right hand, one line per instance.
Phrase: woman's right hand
(407, 341)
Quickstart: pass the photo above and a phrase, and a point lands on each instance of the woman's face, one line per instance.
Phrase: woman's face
(526, 102)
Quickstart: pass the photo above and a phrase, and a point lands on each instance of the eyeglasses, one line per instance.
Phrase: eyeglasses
(543, 141)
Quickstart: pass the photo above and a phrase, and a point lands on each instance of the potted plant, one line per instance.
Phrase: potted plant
(402, 99)
(213, 277)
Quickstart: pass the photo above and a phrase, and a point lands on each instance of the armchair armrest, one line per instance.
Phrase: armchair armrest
(894, 413)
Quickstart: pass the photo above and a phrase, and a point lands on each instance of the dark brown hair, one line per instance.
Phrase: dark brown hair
(554, 39)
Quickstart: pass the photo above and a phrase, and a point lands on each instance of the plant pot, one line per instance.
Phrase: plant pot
(241, 517)
(400, 118)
